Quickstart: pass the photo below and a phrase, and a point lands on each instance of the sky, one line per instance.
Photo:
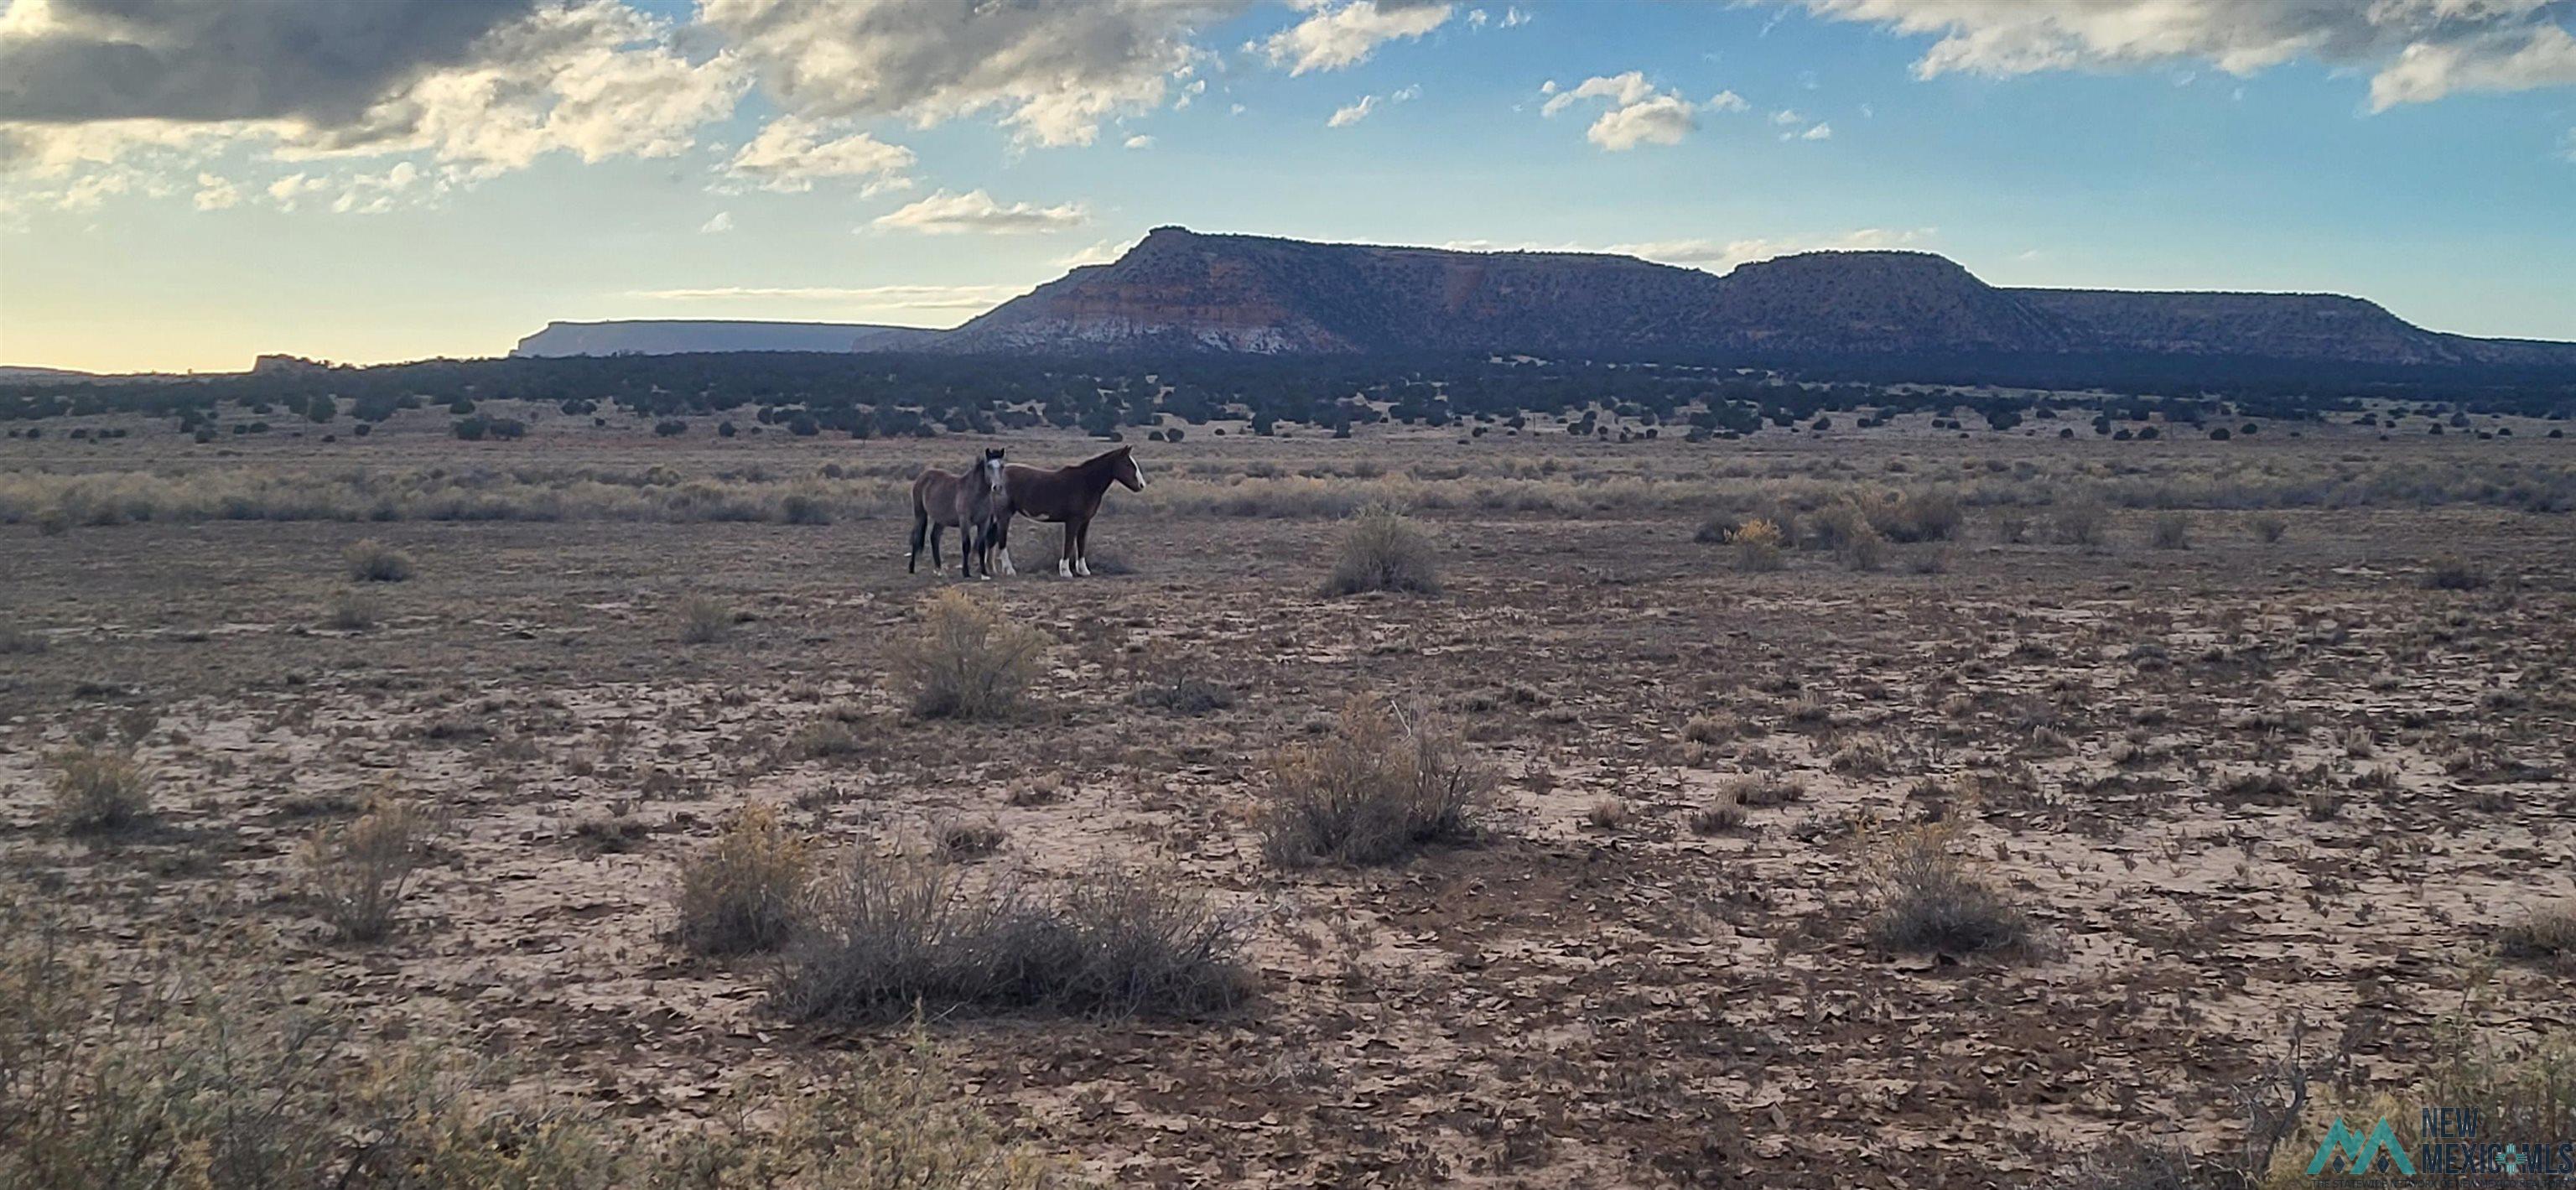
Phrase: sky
(187, 183)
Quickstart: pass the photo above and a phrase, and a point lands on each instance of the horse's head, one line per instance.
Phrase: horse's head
(1125, 470)
(988, 470)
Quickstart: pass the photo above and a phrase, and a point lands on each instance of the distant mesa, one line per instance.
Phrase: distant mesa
(1179, 290)
(677, 336)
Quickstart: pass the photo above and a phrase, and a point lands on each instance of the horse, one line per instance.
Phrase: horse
(1069, 496)
(973, 501)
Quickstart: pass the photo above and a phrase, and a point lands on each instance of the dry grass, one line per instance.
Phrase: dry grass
(1384, 785)
(354, 611)
(1383, 551)
(2082, 521)
(1930, 900)
(890, 937)
(2170, 531)
(18, 640)
(2450, 572)
(188, 1081)
(358, 873)
(1184, 695)
(2547, 933)
(704, 620)
(746, 892)
(98, 791)
(2268, 528)
(1758, 543)
(971, 662)
(372, 561)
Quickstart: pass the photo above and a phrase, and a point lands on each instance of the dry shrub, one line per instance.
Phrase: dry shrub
(967, 840)
(2269, 528)
(2012, 526)
(2082, 521)
(1758, 543)
(1607, 813)
(1929, 899)
(199, 1077)
(372, 561)
(1864, 549)
(747, 892)
(97, 791)
(354, 611)
(1762, 791)
(2547, 934)
(827, 738)
(1383, 551)
(2451, 572)
(359, 872)
(1714, 728)
(18, 640)
(889, 937)
(704, 620)
(1184, 695)
(972, 663)
(1910, 517)
(2171, 531)
(1383, 785)
(1717, 819)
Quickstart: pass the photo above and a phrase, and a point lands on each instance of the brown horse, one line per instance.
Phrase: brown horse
(1069, 496)
(974, 502)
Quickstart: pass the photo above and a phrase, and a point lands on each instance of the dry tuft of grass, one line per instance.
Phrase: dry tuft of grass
(1718, 819)
(1715, 728)
(1762, 791)
(2546, 933)
(1383, 785)
(1184, 695)
(1607, 813)
(2082, 521)
(1930, 900)
(359, 872)
(372, 561)
(18, 640)
(746, 892)
(967, 840)
(354, 611)
(704, 620)
(892, 937)
(2170, 531)
(1758, 544)
(1383, 551)
(971, 663)
(2451, 572)
(98, 791)
(2268, 528)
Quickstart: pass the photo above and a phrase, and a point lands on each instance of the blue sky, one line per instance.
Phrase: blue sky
(896, 160)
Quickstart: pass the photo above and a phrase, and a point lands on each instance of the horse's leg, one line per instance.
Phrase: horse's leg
(1064, 553)
(1002, 543)
(935, 564)
(1082, 547)
(920, 529)
(966, 547)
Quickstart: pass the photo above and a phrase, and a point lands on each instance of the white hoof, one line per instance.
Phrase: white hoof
(1063, 569)
(1007, 569)
(1082, 569)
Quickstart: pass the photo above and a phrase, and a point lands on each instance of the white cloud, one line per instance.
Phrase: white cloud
(1338, 36)
(1726, 101)
(1514, 17)
(791, 153)
(1639, 113)
(1100, 253)
(1787, 116)
(1140, 142)
(720, 223)
(976, 212)
(1053, 71)
(917, 297)
(2417, 50)
(1819, 132)
(375, 194)
(215, 193)
(286, 190)
(1344, 117)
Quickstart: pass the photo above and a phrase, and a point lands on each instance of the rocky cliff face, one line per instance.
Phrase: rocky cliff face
(1180, 289)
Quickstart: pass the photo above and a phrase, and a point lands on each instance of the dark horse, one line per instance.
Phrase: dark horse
(974, 502)
(1069, 496)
